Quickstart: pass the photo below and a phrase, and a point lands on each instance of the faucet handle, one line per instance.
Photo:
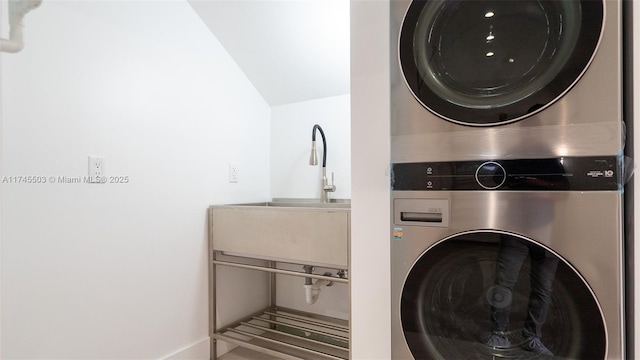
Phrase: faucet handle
(332, 187)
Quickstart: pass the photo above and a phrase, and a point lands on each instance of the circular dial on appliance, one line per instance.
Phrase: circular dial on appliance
(491, 175)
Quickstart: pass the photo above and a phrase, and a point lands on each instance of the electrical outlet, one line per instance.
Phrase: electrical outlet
(96, 170)
(233, 173)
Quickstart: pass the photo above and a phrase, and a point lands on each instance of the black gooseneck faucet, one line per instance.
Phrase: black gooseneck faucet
(313, 160)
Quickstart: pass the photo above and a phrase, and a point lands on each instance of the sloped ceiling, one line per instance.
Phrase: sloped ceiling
(291, 50)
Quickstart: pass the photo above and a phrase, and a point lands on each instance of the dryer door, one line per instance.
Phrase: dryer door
(486, 295)
(486, 63)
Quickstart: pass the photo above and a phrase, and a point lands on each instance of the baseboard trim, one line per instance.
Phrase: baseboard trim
(196, 351)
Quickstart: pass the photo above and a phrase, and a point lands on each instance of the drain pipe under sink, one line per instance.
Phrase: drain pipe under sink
(17, 10)
(312, 290)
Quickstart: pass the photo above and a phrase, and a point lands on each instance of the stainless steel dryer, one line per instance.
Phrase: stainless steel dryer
(481, 79)
(490, 256)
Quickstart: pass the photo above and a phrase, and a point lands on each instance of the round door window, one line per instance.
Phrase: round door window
(489, 295)
(484, 63)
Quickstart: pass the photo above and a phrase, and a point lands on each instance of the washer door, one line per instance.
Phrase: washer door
(484, 63)
(484, 295)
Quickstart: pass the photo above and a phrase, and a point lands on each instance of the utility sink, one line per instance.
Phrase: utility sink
(304, 203)
(290, 230)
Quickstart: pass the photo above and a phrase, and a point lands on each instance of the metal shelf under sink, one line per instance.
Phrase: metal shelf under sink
(287, 334)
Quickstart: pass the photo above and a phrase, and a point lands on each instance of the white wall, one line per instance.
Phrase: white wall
(119, 270)
(370, 211)
(291, 126)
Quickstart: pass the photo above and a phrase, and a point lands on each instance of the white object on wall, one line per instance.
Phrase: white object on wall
(17, 10)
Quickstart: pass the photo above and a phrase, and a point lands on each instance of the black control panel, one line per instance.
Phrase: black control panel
(563, 173)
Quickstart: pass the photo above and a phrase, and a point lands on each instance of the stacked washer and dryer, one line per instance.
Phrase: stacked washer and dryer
(506, 141)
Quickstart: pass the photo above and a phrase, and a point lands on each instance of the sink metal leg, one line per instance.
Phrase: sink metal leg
(213, 353)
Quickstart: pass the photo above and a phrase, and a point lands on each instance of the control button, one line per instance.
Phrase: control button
(491, 175)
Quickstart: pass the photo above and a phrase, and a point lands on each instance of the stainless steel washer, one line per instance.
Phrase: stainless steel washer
(521, 249)
(487, 79)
